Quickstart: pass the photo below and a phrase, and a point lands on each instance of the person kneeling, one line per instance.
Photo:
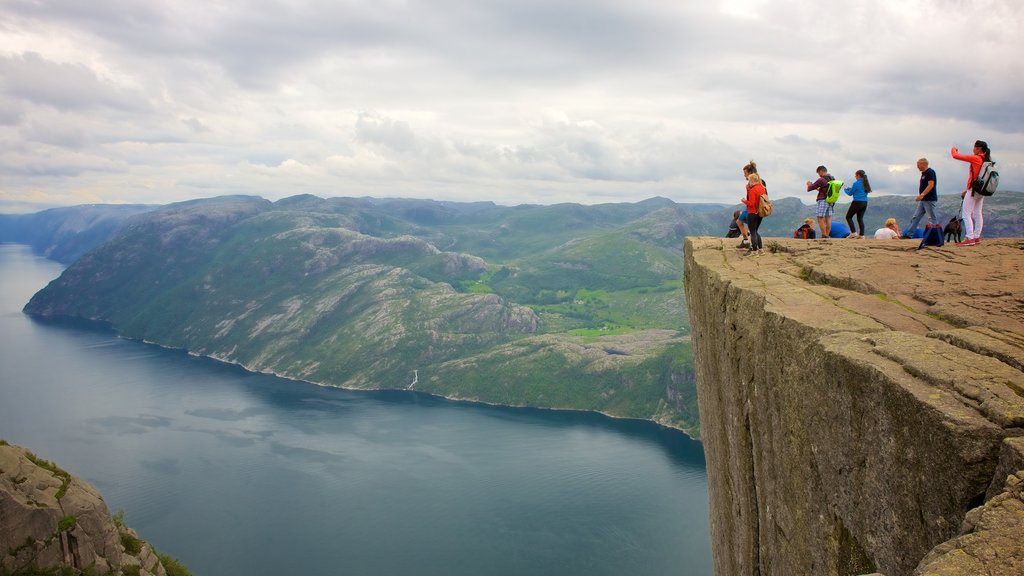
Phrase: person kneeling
(806, 231)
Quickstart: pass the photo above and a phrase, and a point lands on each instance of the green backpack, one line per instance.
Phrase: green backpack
(834, 188)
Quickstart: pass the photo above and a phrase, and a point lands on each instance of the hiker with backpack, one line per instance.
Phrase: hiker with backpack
(860, 190)
(742, 223)
(755, 189)
(927, 197)
(824, 209)
(974, 194)
(806, 231)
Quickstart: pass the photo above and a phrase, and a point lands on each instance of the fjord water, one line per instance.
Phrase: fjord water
(236, 473)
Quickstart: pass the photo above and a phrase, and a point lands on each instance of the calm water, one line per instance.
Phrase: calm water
(244, 474)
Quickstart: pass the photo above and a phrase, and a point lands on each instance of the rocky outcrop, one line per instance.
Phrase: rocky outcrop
(862, 404)
(50, 519)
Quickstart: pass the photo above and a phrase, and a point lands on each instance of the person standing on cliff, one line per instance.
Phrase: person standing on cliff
(860, 190)
(741, 222)
(755, 189)
(972, 202)
(823, 210)
(927, 196)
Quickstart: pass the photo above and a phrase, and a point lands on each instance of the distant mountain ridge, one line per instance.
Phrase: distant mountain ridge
(64, 234)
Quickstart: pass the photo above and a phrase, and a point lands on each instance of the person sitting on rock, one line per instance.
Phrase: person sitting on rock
(734, 226)
(891, 231)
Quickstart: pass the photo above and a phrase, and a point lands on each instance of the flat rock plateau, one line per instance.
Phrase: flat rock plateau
(862, 405)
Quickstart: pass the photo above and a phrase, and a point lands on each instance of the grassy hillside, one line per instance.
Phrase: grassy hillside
(587, 314)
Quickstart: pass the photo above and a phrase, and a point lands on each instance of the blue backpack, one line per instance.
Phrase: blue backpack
(932, 236)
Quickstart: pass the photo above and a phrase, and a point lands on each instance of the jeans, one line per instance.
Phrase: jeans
(922, 207)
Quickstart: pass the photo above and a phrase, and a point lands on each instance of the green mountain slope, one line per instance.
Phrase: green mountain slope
(358, 293)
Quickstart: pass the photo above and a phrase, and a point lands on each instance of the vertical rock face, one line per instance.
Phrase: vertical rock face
(857, 399)
(50, 519)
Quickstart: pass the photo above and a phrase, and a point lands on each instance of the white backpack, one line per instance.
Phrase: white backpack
(987, 181)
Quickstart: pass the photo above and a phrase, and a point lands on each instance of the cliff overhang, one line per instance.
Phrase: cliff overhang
(857, 399)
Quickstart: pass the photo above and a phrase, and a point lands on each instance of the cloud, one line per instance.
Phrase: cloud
(31, 78)
(531, 101)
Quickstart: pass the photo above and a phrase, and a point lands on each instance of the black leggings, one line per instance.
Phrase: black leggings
(858, 209)
(753, 223)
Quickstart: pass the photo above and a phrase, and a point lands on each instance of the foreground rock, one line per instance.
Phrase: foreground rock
(52, 520)
(861, 405)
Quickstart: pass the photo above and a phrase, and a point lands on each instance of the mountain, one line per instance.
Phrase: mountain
(564, 306)
(64, 234)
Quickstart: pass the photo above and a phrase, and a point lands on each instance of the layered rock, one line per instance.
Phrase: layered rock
(857, 399)
(50, 519)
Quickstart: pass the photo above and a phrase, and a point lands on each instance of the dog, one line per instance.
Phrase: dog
(954, 229)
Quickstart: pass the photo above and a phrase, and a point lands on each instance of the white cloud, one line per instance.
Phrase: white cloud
(530, 101)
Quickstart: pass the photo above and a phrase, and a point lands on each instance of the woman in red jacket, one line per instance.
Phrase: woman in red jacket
(754, 191)
(971, 209)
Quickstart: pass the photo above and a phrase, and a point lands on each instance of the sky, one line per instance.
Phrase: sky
(512, 101)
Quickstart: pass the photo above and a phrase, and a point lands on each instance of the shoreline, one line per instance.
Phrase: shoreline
(412, 391)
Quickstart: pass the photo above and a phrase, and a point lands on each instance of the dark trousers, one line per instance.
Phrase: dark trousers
(856, 209)
(753, 223)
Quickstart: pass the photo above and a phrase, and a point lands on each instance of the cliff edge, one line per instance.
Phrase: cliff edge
(53, 522)
(862, 405)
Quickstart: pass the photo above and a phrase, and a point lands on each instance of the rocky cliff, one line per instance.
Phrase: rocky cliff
(862, 406)
(53, 522)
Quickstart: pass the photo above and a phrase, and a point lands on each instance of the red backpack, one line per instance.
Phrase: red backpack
(805, 232)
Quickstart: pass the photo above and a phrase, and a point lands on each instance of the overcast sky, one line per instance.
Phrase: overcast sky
(515, 101)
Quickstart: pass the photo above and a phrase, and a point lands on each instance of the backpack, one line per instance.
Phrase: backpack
(805, 232)
(932, 236)
(833, 191)
(764, 206)
(987, 181)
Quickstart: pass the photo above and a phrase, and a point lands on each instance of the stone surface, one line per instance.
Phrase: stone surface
(991, 540)
(855, 396)
(49, 518)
